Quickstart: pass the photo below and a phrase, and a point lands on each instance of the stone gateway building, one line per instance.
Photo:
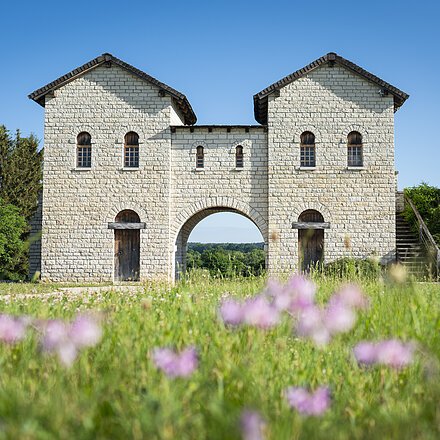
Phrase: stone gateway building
(127, 174)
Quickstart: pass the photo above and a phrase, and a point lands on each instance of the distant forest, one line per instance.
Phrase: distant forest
(227, 259)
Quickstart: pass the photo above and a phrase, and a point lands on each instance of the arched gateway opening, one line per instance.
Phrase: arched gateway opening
(127, 246)
(216, 235)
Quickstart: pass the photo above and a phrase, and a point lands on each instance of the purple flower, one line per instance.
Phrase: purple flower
(12, 329)
(232, 312)
(174, 364)
(252, 425)
(307, 403)
(365, 353)
(350, 296)
(311, 325)
(339, 318)
(392, 352)
(85, 331)
(297, 294)
(66, 339)
(260, 312)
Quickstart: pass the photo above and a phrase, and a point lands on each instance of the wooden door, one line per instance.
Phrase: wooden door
(127, 254)
(311, 248)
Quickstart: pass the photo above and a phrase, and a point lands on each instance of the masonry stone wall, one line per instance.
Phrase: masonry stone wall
(35, 240)
(219, 186)
(359, 204)
(106, 102)
(171, 196)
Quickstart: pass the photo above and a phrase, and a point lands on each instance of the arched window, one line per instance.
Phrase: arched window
(239, 161)
(84, 150)
(200, 157)
(131, 150)
(308, 156)
(354, 150)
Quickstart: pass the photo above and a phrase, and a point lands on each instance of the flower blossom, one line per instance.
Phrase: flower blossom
(391, 352)
(176, 364)
(308, 403)
(252, 425)
(66, 339)
(231, 312)
(12, 329)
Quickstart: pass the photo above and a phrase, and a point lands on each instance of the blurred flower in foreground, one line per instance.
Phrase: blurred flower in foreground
(231, 312)
(308, 403)
(12, 329)
(257, 311)
(391, 352)
(66, 339)
(175, 364)
(252, 425)
(398, 273)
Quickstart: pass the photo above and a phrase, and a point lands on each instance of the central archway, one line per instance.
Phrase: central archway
(198, 213)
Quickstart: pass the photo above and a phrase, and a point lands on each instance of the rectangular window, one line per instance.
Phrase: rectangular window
(131, 157)
(355, 156)
(84, 157)
(308, 156)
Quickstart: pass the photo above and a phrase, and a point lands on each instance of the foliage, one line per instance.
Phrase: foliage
(227, 260)
(115, 390)
(349, 268)
(427, 201)
(12, 247)
(20, 171)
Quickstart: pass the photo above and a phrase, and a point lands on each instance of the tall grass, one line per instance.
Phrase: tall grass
(114, 390)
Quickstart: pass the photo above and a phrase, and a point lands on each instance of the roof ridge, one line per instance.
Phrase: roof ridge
(182, 101)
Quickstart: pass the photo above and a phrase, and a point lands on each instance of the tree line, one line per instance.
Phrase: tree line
(227, 259)
(20, 184)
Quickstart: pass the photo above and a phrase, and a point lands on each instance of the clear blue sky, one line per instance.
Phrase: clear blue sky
(220, 53)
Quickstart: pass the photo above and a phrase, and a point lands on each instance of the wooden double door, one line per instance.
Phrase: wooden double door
(127, 247)
(311, 248)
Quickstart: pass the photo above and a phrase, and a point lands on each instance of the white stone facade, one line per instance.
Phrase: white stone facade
(171, 196)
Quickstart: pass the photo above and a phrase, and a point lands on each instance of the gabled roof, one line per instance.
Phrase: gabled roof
(108, 59)
(260, 99)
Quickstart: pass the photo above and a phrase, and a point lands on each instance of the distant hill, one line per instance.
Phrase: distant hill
(241, 247)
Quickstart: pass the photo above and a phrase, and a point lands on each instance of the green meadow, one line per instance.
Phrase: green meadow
(114, 391)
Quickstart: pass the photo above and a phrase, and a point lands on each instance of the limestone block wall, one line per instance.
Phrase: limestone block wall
(360, 204)
(219, 186)
(78, 203)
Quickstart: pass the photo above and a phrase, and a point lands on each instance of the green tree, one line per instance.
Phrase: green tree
(20, 171)
(12, 247)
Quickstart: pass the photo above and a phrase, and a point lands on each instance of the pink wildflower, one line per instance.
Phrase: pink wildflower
(252, 425)
(232, 312)
(350, 296)
(339, 318)
(311, 325)
(85, 331)
(12, 329)
(365, 353)
(174, 364)
(260, 312)
(309, 404)
(392, 352)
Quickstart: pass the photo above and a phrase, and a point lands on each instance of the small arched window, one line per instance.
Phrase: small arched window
(308, 156)
(131, 150)
(200, 157)
(84, 150)
(354, 150)
(239, 158)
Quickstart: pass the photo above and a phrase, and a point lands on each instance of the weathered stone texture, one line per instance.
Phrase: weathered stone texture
(171, 196)
(360, 204)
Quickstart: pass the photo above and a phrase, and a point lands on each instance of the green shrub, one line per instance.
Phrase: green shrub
(349, 267)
